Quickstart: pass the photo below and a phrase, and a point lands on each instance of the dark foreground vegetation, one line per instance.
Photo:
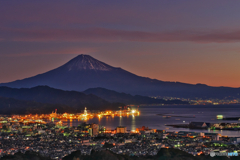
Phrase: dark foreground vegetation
(27, 156)
(163, 154)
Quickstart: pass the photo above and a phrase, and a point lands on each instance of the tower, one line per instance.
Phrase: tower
(85, 111)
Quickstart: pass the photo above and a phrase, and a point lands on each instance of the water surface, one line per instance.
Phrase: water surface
(149, 118)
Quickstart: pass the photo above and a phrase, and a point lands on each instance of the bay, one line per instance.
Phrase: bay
(180, 114)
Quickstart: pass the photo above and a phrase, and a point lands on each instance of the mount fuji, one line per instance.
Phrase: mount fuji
(84, 72)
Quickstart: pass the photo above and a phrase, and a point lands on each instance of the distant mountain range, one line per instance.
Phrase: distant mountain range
(66, 101)
(44, 99)
(84, 72)
(15, 106)
(113, 96)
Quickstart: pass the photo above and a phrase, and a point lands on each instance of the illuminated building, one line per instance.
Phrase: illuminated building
(95, 129)
(121, 129)
(219, 116)
(85, 111)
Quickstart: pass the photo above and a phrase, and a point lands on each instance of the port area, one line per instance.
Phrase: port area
(211, 126)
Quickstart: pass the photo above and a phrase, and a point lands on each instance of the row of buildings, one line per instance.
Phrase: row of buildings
(56, 141)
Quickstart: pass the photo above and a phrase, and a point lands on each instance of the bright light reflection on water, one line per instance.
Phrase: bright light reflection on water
(149, 118)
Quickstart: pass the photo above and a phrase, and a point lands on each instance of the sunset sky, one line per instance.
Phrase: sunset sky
(171, 40)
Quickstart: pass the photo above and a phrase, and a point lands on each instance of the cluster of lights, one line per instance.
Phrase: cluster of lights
(219, 116)
(54, 116)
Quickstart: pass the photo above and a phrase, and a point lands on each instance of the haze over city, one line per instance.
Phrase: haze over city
(191, 41)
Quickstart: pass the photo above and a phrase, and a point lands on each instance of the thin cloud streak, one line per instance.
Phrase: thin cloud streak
(110, 35)
(71, 50)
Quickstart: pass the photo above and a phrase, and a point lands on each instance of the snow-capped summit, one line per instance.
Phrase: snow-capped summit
(86, 62)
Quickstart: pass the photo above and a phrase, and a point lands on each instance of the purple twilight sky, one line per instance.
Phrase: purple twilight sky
(188, 41)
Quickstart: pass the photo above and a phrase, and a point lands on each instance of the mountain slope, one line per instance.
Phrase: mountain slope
(113, 96)
(14, 106)
(45, 94)
(85, 72)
